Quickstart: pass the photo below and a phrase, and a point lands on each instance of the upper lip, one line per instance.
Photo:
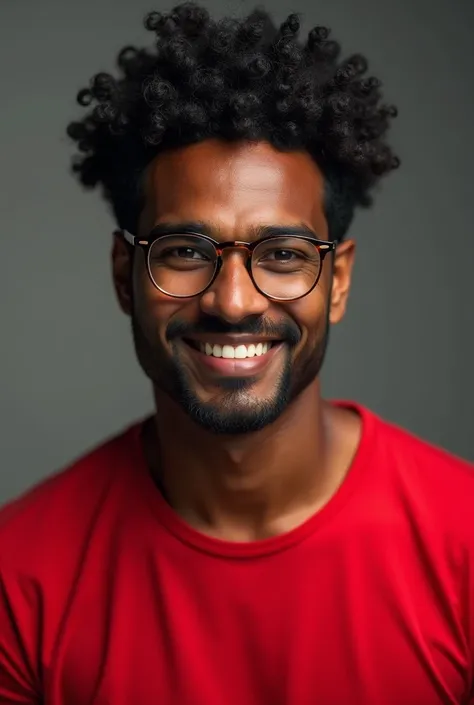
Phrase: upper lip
(235, 339)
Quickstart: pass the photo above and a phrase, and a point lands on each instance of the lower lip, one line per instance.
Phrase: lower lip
(234, 367)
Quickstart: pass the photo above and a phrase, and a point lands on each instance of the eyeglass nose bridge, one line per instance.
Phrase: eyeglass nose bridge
(234, 245)
(247, 247)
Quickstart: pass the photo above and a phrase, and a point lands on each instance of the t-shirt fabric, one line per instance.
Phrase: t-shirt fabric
(107, 596)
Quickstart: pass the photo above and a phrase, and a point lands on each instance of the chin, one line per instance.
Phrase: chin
(231, 424)
(236, 408)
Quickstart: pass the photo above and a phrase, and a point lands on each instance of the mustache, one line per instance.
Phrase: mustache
(282, 330)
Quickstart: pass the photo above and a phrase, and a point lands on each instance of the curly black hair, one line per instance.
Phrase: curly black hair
(234, 79)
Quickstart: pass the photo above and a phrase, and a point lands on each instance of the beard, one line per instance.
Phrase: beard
(237, 410)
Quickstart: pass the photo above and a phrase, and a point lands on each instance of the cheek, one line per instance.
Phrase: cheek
(154, 310)
(310, 313)
(151, 308)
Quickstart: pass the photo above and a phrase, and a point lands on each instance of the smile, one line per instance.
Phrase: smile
(238, 360)
(240, 352)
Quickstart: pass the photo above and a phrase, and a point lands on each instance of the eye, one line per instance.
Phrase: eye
(286, 255)
(180, 253)
(187, 253)
(282, 255)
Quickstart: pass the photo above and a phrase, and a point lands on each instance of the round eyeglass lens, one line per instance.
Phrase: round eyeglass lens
(286, 268)
(182, 265)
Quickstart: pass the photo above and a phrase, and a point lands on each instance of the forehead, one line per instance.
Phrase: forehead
(235, 185)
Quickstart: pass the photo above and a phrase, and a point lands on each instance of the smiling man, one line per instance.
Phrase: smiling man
(231, 324)
(250, 543)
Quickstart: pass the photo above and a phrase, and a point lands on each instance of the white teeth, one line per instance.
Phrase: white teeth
(240, 352)
(228, 351)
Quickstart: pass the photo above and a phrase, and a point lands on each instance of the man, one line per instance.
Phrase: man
(251, 543)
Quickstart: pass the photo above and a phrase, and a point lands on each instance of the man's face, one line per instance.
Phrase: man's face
(232, 189)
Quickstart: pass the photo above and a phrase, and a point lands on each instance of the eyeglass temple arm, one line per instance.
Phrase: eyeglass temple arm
(131, 239)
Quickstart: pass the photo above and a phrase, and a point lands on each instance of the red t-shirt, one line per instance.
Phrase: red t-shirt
(107, 597)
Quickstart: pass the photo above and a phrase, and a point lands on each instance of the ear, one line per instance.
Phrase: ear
(341, 282)
(122, 263)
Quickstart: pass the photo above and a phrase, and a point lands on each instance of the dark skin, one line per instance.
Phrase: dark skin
(248, 486)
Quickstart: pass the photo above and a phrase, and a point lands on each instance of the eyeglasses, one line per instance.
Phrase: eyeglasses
(282, 268)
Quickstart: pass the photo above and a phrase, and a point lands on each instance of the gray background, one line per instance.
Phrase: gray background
(68, 371)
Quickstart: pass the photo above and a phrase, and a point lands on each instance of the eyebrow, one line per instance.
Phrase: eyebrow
(201, 228)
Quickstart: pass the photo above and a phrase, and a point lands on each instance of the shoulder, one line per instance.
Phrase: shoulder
(416, 455)
(46, 520)
(431, 482)
(391, 441)
(46, 536)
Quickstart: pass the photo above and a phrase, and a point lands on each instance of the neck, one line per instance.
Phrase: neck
(250, 486)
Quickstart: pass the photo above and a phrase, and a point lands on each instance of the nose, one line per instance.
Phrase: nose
(233, 295)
